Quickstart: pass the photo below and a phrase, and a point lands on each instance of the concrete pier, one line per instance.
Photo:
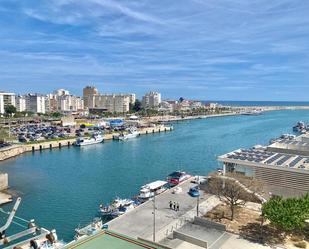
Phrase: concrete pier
(139, 221)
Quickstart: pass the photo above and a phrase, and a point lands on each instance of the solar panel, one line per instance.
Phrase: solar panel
(295, 161)
(283, 160)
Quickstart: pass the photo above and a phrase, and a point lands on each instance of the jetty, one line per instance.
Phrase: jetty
(141, 223)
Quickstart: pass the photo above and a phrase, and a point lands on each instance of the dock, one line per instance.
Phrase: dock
(138, 223)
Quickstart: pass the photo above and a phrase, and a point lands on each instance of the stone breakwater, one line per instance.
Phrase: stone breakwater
(16, 150)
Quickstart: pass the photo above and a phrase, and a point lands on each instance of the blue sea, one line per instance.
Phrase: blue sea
(62, 188)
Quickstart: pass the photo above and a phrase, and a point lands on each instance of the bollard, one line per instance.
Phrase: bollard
(50, 146)
(59, 145)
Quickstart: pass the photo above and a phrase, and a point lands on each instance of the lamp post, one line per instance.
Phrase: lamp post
(154, 218)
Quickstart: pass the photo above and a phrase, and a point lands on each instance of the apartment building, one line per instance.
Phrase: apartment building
(5, 100)
(151, 100)
(35, 103)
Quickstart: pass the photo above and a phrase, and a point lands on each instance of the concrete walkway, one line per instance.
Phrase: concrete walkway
(139, 221)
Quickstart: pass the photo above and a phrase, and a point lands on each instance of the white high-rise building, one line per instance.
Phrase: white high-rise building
(151, 100)
(35, 103)
(61, 101)
(5, 100)
(119, 103)
(20, 101)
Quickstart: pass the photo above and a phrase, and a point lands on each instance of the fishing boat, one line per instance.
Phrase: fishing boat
(300, 126)
(95, 226)
(132, 133)
(94, 139)
(117, 207)
(151, 189)
(177, 177)
(122, 209)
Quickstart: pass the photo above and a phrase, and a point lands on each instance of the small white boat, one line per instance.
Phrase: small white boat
(88, 230)
(151, 189)
(122, 209)
(94, 139)
(117, 207)
(132, 133)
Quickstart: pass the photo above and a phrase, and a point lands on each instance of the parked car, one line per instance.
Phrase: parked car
(194, 191)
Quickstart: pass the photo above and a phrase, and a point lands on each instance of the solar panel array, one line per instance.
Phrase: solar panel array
(250, 155)
(270, 158)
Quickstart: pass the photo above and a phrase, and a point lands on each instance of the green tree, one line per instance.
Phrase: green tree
(10, 109)
(287, 214)
(137, 106)
(56, 114)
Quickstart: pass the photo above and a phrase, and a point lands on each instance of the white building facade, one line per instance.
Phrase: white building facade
(5, 100)
(35, 103)
(20, 101)
(151, 100)
(119, 103)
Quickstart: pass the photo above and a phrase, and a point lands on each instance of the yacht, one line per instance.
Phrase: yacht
(94, 139)
(132, 133)
(151, 189)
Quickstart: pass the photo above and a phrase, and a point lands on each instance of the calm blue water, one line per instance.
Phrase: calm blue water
(63, 188)
(259, 103)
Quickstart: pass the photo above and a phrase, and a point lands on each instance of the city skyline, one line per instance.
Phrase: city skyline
(227, 50)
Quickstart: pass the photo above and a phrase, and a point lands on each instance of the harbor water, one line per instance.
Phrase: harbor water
(62, 188)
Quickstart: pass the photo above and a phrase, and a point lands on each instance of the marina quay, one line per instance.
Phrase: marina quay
(283, 165)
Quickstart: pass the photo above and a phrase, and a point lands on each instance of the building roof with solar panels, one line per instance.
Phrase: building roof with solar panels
(283, 165)
(262, 157)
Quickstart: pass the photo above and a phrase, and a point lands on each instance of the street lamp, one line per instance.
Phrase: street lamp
(154, 218)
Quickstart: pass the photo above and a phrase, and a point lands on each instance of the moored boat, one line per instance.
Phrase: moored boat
(151, 189)
(177, 177)
(94, 227)
(132, 133)
(94, 139)
(117, 207)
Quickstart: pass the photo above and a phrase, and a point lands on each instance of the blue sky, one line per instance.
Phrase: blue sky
(201, 49)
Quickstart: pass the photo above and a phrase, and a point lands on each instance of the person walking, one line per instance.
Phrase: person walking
(177, 207)
(171, 204)
(174, 206)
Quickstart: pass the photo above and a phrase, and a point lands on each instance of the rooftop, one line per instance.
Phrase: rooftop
(266, 158)
(110, 240)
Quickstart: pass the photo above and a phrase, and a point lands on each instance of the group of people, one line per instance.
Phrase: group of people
(174, 205)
